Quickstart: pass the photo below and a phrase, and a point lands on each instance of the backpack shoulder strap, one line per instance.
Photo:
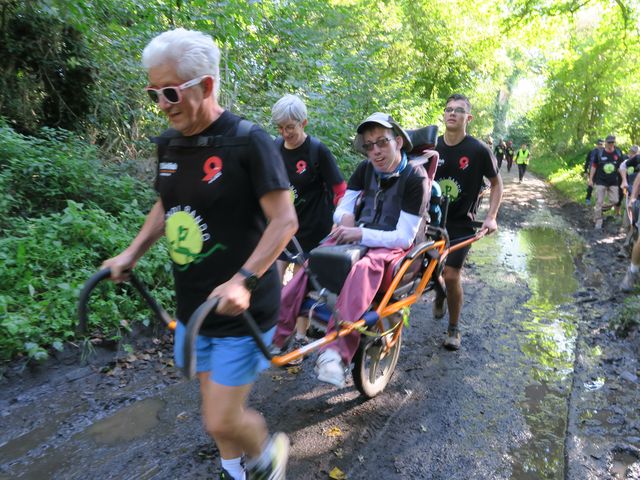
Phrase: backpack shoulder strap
(163, 140)
(175, 139)
(244, 128)
(314, 149)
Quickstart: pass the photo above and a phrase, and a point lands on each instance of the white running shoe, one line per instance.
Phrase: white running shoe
(330, 368)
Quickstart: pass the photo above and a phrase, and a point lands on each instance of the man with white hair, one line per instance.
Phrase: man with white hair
(225, 209)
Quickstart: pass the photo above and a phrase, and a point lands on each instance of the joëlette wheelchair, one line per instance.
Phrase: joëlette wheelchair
(417, 272)
(381, 326)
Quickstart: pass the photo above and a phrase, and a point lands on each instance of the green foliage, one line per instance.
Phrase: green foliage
(588, 89)
(629, 317)
(39, 176)
(47, 73)
(45, 261)
(51, 242)
(564, 173)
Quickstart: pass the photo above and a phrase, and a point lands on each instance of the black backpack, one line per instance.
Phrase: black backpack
(173, 138)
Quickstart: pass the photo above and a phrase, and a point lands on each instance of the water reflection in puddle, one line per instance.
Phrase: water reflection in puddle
(129, 423)
(542, 257)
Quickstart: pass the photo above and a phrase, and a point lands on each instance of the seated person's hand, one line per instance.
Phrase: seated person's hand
(347, 220)
(234, 297)
(343, 234)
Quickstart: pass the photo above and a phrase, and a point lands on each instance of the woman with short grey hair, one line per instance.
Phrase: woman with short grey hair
(314, 179)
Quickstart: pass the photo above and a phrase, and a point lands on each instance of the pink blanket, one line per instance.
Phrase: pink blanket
(354, 300)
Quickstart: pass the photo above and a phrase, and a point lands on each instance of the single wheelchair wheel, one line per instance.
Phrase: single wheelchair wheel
(374, 366)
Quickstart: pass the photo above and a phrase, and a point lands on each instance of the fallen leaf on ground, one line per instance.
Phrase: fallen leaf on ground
(276, 377)
(294, 370)
(332, 432)
(337, 474)
(339, 453)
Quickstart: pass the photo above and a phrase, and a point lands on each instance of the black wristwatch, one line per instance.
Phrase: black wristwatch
(250, 279)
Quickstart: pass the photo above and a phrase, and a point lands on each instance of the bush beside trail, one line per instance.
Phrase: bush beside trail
(62, 214)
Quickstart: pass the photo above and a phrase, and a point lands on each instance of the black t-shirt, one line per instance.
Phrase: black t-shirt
(311, 189)
(607, 164)
(509, 153)
(589, 160)
(461, 176)
(213, 220)
(633, 166)
(416, 197)
(499, 151)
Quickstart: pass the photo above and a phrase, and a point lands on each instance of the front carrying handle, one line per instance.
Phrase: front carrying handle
(193, 328)
(103, 274)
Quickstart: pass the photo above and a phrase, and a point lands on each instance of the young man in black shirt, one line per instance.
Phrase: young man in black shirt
(632, 276)
(466, 162)
(630, 167)
(225, 208)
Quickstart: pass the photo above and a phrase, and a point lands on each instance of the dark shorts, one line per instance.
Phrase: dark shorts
(459, 233)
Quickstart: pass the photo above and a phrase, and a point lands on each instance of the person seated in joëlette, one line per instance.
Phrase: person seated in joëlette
(383, 209)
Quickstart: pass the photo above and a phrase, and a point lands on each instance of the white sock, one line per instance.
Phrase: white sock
(234, 467)
(634, 268)
(300, 337)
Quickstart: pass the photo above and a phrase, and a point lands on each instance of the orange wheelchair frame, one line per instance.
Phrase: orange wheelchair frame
(379, 350)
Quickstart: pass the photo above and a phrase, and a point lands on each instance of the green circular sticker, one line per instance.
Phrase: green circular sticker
(608, 168)
(184, 237)
(449, 188)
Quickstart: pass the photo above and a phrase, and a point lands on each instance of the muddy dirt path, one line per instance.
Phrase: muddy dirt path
(541, 388)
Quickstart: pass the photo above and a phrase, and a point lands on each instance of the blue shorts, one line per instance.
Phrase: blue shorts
(232, 361)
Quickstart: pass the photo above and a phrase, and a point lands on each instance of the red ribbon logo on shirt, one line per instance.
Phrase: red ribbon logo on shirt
(463, 163)
(301, 167)
(212, 168)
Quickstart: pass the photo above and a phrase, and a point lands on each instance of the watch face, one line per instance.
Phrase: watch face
(251, 282)
(250, 279)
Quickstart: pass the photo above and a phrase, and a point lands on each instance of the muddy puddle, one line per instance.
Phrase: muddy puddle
(541, 258)
(129, 423)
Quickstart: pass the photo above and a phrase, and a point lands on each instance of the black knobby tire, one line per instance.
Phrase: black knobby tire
(371, 373)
